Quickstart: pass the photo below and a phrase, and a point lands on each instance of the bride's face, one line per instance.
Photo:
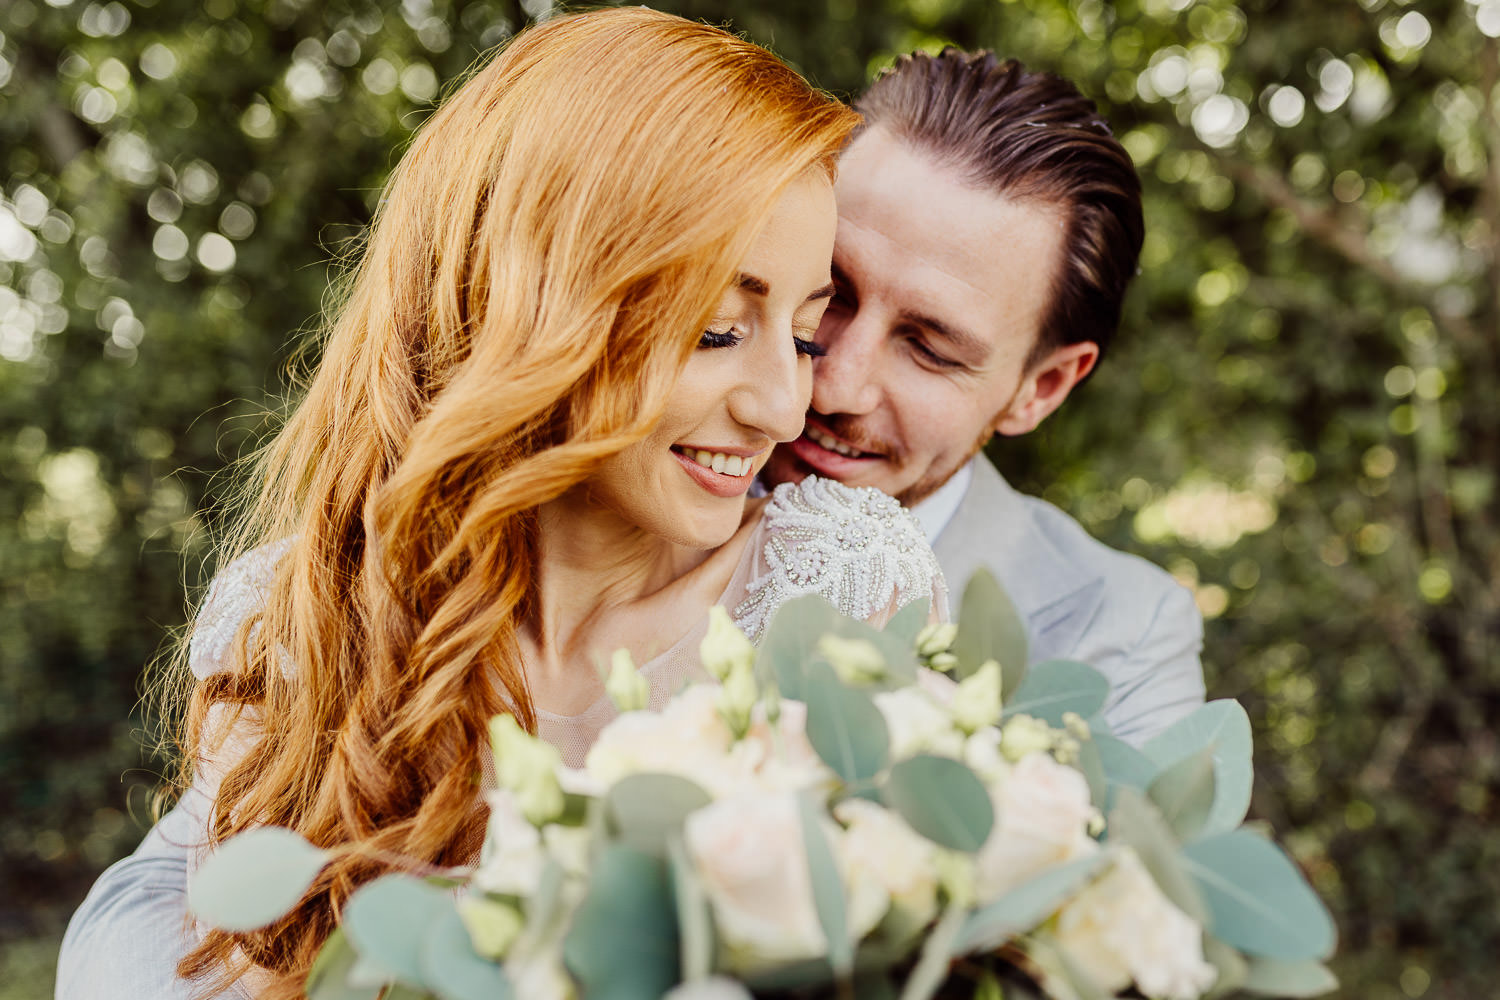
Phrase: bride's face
(746, 387)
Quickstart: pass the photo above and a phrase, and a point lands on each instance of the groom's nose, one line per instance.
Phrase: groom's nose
(847, 379)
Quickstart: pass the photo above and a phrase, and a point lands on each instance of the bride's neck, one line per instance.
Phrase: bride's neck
(592, 559)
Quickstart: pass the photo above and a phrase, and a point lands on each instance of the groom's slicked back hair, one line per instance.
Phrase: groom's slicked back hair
(1028, 136)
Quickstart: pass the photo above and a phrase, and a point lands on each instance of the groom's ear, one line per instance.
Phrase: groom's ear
(1045, 386)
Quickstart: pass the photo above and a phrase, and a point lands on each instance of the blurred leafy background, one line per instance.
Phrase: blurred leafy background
(1300, 420)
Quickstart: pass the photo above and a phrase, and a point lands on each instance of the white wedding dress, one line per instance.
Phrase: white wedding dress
(858, 548)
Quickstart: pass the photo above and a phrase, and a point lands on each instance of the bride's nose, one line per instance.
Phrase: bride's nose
(774, 389)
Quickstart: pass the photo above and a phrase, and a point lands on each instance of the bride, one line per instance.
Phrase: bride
(584, 317)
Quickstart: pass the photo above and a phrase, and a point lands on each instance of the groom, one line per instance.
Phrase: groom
(989, 224)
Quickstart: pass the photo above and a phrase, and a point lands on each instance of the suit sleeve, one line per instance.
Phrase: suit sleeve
(1161, 679)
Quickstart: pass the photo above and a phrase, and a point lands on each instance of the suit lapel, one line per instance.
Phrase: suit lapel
(994, 527)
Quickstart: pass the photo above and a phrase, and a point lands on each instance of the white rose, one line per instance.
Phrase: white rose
(878, 848)
(540, 975)
(1121, 928)
(918, 723)
(512, 859)
(687, 738)
(982, 754)
(1042, 817)
(749, 853)
(776, 756)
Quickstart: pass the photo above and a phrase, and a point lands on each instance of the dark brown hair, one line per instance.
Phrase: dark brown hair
(1028, 136)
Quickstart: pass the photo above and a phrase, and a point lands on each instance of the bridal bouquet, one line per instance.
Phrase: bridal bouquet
(843, 812)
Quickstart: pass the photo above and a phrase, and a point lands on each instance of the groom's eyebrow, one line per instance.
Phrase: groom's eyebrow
(961, 339)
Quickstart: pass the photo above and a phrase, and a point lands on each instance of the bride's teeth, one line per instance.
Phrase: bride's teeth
(727, 465)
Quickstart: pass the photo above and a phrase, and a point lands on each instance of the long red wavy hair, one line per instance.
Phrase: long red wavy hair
(538, 273)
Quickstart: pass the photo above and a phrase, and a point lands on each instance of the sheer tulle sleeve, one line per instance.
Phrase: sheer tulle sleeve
(854, 546)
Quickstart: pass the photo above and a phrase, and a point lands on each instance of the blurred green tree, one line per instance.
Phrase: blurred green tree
(1299, 420)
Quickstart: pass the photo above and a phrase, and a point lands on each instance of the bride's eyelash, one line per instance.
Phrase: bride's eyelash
(806, 347)
(717, 338)
(809, 348)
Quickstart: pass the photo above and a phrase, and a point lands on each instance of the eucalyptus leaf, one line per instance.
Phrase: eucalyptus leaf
(908, 621)
(936, 958)
(942, 800)
(989, 628)
(1053, 688)
(1137, 823)
(1257, 899)
(1124, 765)
(1230, 964)
(789, 641)
(1272, 978)
(453, 969)
(694, 915)
(386, 920)
(254, 879)
(1091, 766)
(647, 809)
(1184, 792)
(1025, 906)
(1058, 965)
(827, 885)
(844, 726)
(623, 941)
(328, 979)
(1223, 726)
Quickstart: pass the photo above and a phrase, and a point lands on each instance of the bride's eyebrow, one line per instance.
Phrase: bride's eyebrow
(759, 286)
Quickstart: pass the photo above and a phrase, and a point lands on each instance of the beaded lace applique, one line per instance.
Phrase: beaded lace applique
(235, 594)
(855, 546)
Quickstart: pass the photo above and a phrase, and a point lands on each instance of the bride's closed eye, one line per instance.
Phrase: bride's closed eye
(806, 346)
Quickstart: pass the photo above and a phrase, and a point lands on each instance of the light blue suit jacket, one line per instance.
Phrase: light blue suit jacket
(1081, 600)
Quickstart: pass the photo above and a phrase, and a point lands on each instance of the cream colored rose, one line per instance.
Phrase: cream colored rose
(1042, 817)
(777, 757)
(879, 849)
(687, 738)
(513, 857)
(749, 853)
(1121, 928)
(918, 723)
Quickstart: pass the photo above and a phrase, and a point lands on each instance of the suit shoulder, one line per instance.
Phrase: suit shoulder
(1074, 541)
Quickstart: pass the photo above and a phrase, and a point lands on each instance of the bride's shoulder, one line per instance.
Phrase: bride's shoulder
(853, 545)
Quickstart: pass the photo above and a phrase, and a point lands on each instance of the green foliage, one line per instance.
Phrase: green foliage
(254, 879)
(990, 629)
(1223, 727)
(845, 727)
(1025, 906)
(647, 810)
(1300, 417)
(623, 943)
(942, 800)
(1053, 688)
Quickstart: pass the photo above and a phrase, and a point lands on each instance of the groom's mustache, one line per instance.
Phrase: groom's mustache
(850, 430)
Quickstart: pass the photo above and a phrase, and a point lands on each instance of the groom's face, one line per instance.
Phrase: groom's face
(942, 289)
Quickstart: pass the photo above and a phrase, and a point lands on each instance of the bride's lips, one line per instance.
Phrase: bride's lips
(725, 483)
(825, 453)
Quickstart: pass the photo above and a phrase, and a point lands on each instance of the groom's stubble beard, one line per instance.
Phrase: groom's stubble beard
(850, 430)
